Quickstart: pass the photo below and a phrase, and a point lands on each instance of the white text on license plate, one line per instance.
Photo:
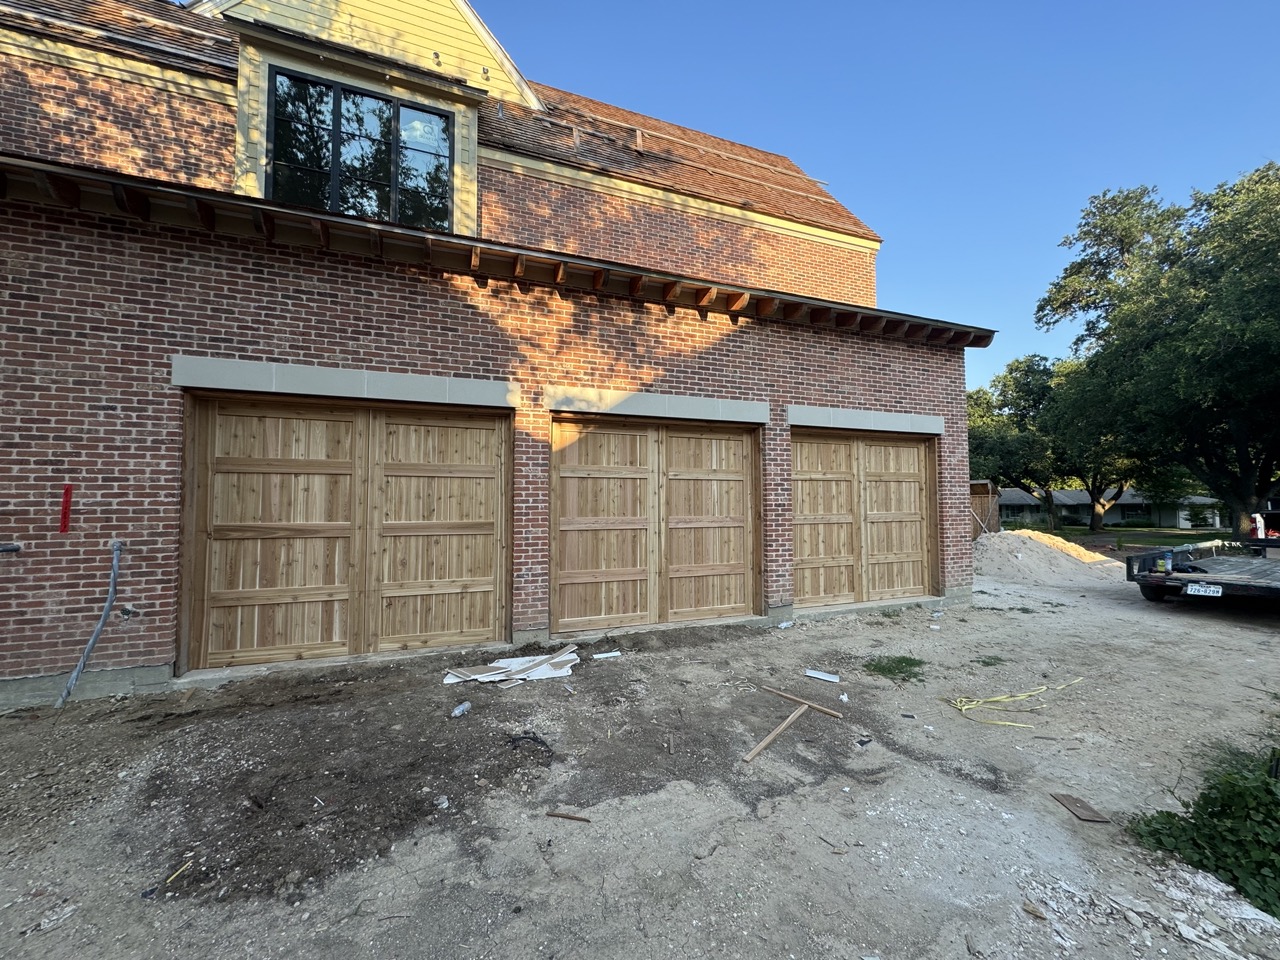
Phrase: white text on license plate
(1203, 589)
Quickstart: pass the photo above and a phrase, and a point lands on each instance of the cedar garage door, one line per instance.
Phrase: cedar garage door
(322, 530)
(651, 523)
(863, 518)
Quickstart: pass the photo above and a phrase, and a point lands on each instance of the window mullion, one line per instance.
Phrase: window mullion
(335, 140)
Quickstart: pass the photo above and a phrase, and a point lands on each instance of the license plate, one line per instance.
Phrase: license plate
(1203, 589)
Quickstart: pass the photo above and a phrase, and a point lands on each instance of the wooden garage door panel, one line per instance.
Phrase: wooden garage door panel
(604, 531)
(652, 523)
(257, 564)
(892, 579)
(298, 630)
(896, 533)
(861, 512)
(826, 547)
(335, 529)
(707, 535)
(280, 498)
(264, 432)
(438, 527)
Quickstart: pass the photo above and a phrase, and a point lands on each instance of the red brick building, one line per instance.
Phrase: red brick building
(355, 341)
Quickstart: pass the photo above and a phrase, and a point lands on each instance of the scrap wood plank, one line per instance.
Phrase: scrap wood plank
(811, 706)
(1081, 809)
(777, 732)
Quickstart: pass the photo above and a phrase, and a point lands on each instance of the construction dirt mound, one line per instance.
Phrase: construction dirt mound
(1027, 556)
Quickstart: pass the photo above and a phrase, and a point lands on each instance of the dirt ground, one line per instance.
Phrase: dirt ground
(340, 812)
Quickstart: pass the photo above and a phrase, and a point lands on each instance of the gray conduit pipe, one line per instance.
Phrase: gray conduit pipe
(116, 548)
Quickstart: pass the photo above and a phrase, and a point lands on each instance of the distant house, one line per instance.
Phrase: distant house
(1074, 506)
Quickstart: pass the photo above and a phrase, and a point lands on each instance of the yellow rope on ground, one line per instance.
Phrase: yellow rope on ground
(965, 704)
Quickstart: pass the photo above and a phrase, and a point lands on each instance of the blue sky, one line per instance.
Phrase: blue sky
(968, 135)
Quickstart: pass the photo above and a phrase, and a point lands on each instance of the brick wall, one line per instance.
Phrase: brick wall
(92, 307)
(53, 113)
(524, 210)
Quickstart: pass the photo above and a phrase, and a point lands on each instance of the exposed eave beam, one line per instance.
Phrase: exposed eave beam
(203, 212)
(766, 306)
(320, 230)
(131, 201)
(57, 189)
(105, 193)
(264, 223)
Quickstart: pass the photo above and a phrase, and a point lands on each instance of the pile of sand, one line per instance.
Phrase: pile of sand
(1026, 556)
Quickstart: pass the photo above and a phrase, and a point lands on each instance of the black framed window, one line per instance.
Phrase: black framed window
(345, 150)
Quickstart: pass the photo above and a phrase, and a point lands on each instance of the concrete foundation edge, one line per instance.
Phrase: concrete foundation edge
(22, 692)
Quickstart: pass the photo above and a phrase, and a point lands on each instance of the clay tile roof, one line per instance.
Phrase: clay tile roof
(153, 30)
(587, 133)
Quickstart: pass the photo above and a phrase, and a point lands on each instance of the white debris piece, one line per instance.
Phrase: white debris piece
(606, 656)
(514, 671)
(819, 675)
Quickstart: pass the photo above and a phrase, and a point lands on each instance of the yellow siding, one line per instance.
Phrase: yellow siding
(251, 154)
(438, 36)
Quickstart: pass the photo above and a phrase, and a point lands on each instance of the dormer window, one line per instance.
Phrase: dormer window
(338, 148)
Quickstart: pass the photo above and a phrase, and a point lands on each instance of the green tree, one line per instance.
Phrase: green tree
(1005, 443)
(1083, 450)
(1180, 316)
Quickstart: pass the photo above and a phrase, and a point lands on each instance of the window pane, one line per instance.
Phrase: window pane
(365, 159)
(424, 131)
(302, 145)
(366, 116)
(306, 188)
(303, 101)
(361, 198)
(424, 190)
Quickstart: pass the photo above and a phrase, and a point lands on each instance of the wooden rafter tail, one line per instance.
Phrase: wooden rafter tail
(800, 711)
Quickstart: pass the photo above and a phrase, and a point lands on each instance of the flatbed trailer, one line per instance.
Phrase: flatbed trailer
(1215, 568)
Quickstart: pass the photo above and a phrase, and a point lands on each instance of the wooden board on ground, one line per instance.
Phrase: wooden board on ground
(1081, 809)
